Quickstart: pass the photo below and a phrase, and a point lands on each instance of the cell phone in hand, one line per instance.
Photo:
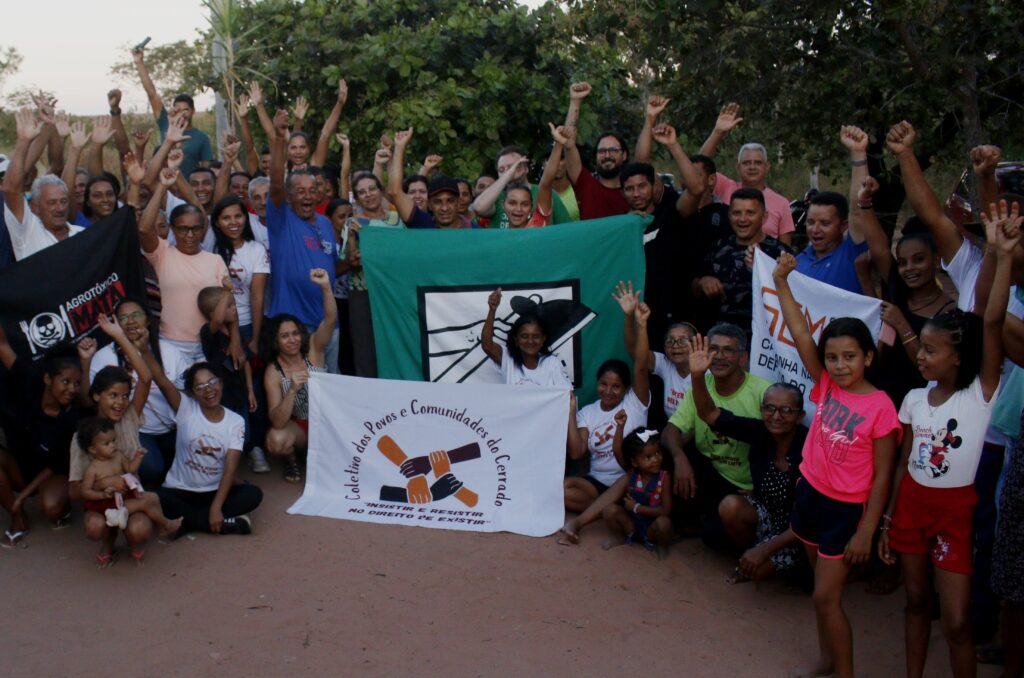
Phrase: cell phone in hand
(142, 45)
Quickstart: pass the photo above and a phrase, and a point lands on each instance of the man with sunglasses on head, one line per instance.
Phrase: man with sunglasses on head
(710, 465)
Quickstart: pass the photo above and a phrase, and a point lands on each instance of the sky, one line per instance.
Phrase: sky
(73, 55)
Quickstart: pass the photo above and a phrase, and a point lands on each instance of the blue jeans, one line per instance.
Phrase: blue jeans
(159, 456)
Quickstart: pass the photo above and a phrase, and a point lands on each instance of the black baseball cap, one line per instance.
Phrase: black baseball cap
(441, 184)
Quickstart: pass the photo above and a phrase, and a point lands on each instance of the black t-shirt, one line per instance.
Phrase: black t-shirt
(235, 396)
(664, 289)
(36, 440)
(726, 261)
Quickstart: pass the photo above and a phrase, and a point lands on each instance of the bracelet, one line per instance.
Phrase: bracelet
(912, 337)
(636, 508)
(858, 163)
(115, 111)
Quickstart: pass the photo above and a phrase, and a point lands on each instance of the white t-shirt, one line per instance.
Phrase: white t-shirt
(676, 387)
(157, 415)
(259, 230)
(30, 236)
(202, 448)
(963, 270)
(600, 427)
(948, 438)
(247, 260)
(549, 372)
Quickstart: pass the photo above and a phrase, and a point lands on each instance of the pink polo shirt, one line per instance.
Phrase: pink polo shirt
(181, 277)
(779, 219)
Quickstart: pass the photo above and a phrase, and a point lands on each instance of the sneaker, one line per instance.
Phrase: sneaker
(258, 461)
(237, 525)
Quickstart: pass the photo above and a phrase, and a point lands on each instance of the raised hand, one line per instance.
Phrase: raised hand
(301, 107)
(728, 118)
(140, 137)
(386, 141)
(62, 124)
(176, 130)
(86, 348)
(102, 131)
(402, 137)
(493, 299)
(563, 134)
(45, 105)
(281, 123)
(900, 138)
(114, 99)
(319, 277)
(579, 90)
(700, 356)
(867, 189)
(626, 297)
(168, 176)
(138, 54)
(342, 91)
(432, 161)
(255, 93)
(342, 139)
(79, 135)
(785, 265)
(174, 158)
(229, 148)
(416, 466)
(29, 126)
(1002, 225)
(656, 106)
(382, 156)
(620, 418)
(984, 159)
(243, 105)
(642, 313)
(665, 134)
(109, 327)
(133, 168)
(854, 138)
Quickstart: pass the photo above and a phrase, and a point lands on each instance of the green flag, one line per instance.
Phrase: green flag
(429, 289)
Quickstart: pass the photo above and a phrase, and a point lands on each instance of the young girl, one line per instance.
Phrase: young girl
(637, 506)
(527, 358)
(673, 366)
(595, 423)
(847, 465)
(109, 465)
(247, 262)
(944, 427)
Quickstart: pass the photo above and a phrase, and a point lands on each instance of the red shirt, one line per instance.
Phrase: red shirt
(597, 200)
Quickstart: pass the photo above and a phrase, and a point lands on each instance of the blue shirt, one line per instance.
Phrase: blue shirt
(835, 268)
(197, 147)
(296, 247)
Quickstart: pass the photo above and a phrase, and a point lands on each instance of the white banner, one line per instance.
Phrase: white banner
(479, 457)
(773, 354)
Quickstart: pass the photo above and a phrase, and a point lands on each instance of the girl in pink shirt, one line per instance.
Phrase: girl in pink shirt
(847, 465)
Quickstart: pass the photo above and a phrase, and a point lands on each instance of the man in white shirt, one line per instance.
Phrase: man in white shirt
(45, 223)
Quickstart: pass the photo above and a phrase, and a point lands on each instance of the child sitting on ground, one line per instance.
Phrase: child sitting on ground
(109, 470)
(637, 506)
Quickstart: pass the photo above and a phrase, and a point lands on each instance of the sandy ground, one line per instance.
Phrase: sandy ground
(313, 596)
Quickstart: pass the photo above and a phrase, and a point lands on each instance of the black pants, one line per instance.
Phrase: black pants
(194, 507)
(712, 488)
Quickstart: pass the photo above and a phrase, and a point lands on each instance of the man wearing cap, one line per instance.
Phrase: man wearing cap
(442, 194)
(45, 223)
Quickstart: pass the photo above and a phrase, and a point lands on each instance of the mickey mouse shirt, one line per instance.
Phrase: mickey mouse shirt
(947, 438)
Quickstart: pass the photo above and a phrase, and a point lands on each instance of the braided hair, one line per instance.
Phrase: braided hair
(965, 332)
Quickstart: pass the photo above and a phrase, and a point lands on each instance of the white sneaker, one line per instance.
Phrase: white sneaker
(258, 461)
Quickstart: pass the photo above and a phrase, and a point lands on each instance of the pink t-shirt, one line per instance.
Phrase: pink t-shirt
(779, 219)
(181, 277)
(839, 454)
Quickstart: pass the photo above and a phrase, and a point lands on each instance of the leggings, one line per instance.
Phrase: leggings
(194, 507)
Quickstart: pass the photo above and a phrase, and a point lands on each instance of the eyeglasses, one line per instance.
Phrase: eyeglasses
(136, 315)
(188, 230)
(203, 388)
(683, 341)
(770, 410)
(367, 191)
(609, 151)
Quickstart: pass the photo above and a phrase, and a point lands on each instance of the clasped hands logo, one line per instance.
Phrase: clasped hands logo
(416, 470)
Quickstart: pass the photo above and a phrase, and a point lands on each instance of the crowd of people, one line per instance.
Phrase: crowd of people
(255, 281)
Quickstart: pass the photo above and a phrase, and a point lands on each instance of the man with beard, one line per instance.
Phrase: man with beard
(45, 222)
(726, 275)
(599, 196)
(300, 240)
(714, 465)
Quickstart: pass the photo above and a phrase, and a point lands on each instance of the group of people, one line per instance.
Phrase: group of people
(255, 281)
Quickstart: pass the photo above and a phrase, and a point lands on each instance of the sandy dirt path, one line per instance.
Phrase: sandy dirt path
(313, 596)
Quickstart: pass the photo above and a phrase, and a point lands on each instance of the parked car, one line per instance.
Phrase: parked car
(1009, 176)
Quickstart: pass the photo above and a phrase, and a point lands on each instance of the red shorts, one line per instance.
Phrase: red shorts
(935, 520)
(302, 423)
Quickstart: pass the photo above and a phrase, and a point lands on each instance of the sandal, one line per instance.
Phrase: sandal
(137, 556)
(104, 560)
(62, 522)
(292, 474)
(13, 540)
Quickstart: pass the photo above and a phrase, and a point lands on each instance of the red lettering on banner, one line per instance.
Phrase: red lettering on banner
(777, 325)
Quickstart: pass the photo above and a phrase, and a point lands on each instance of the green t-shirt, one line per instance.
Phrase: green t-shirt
(568, 199)
(729, 457)
(196, 148)
(559, 215)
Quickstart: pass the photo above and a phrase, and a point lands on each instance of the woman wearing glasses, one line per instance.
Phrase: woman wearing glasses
(182, 270)
(202, 486)
(758, 522)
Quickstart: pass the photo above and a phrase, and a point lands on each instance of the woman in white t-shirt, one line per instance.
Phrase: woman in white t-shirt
(932, 507)
(595, 423)
(201, 486)
(247, 261)
(525, 359)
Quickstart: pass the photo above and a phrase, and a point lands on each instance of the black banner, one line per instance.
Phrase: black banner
(50, 300)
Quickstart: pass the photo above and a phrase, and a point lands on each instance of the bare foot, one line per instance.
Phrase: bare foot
(823, 667)
(736, 577)
(171, 527)
(572, 536)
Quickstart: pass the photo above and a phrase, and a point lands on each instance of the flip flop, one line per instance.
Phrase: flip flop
(137, 556)
(62, 522)
(13, 540)
(103, 560)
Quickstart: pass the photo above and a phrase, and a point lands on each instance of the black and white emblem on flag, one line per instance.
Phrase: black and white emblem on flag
(451, 319)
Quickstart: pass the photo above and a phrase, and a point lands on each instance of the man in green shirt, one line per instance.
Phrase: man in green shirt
(715, 465)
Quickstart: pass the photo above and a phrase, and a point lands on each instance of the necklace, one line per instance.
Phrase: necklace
(926, 304)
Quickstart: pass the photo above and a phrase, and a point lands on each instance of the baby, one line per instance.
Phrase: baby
(109, 470)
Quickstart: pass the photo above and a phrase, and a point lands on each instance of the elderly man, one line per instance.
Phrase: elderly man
(752, 165)
(45, 222)
(300, 240)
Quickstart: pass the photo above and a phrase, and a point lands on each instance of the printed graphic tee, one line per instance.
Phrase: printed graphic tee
(247, 260)
(948, 438)
(600, 425)
(676, 386)
(202, 448)
(839, 455)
